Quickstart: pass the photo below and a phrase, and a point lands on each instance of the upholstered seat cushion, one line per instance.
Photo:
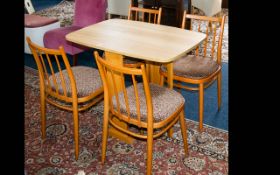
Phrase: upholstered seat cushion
(87, 80)
(165, 102)
(56, 37)
(130, 60)
(32, 21)
(195, 67)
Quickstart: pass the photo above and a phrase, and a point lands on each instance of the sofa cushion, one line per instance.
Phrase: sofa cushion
(32, 21)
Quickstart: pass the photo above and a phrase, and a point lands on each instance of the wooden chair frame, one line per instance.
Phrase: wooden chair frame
(71, 102)
(153, 13)
(109, 73)
(217, 75)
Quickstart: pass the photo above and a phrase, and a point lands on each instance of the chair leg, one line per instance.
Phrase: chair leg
(179, 88)
(149, 150)
(43, 114)
(76, 129)
(75, 60)
(148, 70)
(219, 87)
(201, 105)
(105, 129)
(184, 131)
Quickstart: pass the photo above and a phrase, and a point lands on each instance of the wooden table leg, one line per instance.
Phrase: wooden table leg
(153, 72)
(118, 60)
(170, 84)
(170, 75)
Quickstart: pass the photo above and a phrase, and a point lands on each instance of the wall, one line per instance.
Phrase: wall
(209, 7)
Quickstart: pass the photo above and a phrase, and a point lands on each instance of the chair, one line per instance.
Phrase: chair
(28, 6)
(86, 12)
(145, 15)
(73, 89)
(202, 67)
(143, 105)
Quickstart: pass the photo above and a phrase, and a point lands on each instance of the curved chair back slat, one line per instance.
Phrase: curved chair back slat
(117, 97)
(51, 64)
(213, 27)
(144, 14)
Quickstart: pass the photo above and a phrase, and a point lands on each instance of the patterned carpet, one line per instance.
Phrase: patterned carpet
(208, 151)
(64, 11)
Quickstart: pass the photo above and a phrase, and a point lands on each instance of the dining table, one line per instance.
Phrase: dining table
(153, 43)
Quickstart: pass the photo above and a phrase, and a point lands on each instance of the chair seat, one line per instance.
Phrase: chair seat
(32, 21)
(195, 67)
(165, 102)
(130, 60)
(55, 38)
(87, 80)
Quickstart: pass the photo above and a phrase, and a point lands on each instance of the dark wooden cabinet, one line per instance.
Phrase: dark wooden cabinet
(172, 10)
(224, 3)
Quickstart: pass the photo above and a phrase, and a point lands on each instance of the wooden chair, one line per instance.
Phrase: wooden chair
(70, 88)
(143, 105)
(203, 66)
(145, 15)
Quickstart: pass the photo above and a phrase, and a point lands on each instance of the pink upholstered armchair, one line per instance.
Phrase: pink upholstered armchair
(87, 12)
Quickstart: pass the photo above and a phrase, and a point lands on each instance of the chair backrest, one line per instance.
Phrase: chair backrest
(144, 14)
(213, 27)
(28, 6)
(118, 7)
(110, 73)
(89, 12)
(55, 73)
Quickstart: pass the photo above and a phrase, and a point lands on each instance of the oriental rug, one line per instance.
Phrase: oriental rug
(208, 151)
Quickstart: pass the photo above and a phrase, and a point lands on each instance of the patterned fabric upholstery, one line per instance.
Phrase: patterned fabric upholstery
(130, 60)
(165, 102)
(195, 67)
(87, 80)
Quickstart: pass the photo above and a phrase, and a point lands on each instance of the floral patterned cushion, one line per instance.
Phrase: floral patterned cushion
(87, 80)
(195, 67)
(130, 60)
(165, 102)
